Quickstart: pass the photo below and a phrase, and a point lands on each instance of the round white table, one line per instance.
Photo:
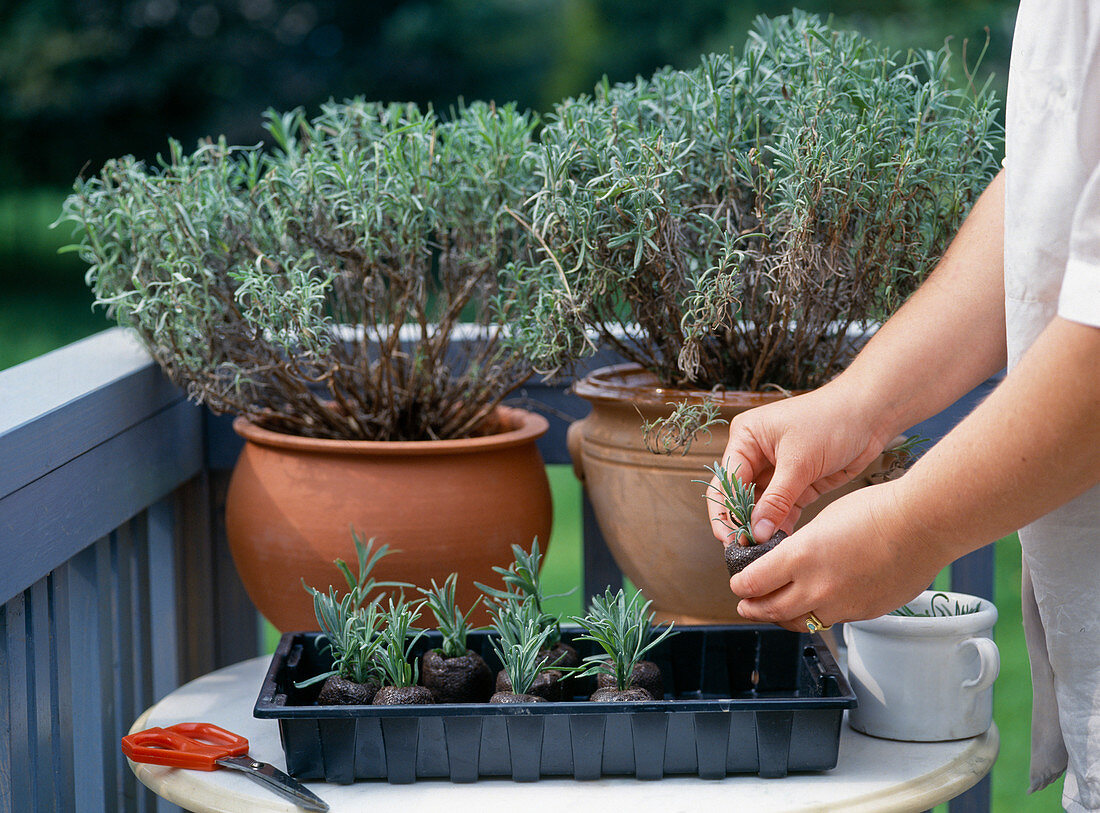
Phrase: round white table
(871, 774)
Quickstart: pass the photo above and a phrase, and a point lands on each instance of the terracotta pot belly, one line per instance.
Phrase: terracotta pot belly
(443, 505)
(652, 516)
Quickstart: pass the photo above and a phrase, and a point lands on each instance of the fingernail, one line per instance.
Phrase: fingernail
(764, 530)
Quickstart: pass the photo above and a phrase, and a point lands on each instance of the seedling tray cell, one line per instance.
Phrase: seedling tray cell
(738, 699)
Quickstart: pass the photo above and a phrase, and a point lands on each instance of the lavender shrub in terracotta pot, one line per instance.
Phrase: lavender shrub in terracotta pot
(734, 232)
(337, 291)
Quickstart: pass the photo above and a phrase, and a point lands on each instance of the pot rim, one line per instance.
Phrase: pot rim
(933, 626)
(632, 382)
(526, 428)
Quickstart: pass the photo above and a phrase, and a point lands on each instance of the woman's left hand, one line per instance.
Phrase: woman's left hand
(856, 559)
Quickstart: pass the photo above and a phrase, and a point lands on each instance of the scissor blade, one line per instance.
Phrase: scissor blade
(282, 783)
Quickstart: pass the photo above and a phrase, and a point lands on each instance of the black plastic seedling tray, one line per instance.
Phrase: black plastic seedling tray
(739, 699)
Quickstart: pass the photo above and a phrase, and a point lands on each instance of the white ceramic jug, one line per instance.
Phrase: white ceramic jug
(924, 678)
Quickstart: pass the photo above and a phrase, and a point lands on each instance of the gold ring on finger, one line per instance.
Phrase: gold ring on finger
(813, 624)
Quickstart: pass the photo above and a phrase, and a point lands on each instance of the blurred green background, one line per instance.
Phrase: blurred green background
(82, 81)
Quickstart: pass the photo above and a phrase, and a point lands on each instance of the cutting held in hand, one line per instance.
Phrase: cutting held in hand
(739, 500)
(738, 557)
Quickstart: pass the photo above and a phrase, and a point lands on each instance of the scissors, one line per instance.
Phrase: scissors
(206, 747)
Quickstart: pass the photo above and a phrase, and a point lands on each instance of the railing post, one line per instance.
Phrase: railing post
(600, 569)
(973, 573)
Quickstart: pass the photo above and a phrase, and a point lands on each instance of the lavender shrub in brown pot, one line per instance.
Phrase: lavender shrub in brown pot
(734, 231)
(337, 291)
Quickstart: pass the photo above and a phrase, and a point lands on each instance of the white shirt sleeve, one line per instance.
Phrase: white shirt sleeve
(1079, 299)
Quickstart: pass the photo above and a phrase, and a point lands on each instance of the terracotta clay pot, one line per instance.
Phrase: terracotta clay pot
(652, 516)
(446, 505)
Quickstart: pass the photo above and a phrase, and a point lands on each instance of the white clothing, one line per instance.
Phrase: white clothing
(1052, 266)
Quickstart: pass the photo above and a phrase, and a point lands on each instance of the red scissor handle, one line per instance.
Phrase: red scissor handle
(184, 745)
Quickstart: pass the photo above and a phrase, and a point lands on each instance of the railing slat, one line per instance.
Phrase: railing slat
(7, 799)
(194, 602)
(20, 702)
(142, 664)
(58, 762)
(161, 625)
(973, 573)
(90, 785)
(61, 623)
(42, 747)
(218, 623)
(238, 629)
(122, 623)
(161, 591)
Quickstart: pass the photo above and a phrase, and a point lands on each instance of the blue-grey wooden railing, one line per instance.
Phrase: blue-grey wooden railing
(116, 584)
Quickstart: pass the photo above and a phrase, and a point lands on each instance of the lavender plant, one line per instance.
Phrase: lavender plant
(742, 224)
(362, 583)
(452, 623)
(737, 498)
(348, 622)
(512, 614)
(624, 630)
(396, 641)
(944, 609)
(353, 638)
(523, 593)
(520, 655)
(317, 286)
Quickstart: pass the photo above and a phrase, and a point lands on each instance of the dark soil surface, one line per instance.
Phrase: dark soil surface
(501, 698)
(562, 654)
(462, 679)
(614, 695)
(738, 557)
(339, 691)
(646, 676)
(403, 696)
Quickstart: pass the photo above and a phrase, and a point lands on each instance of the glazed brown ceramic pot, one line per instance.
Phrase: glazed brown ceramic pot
(653, 517)
(446, 505)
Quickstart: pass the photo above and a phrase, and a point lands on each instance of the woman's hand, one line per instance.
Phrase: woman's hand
(859, 558)
(794, 451)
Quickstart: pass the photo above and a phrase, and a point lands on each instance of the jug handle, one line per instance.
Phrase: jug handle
(990, 659)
